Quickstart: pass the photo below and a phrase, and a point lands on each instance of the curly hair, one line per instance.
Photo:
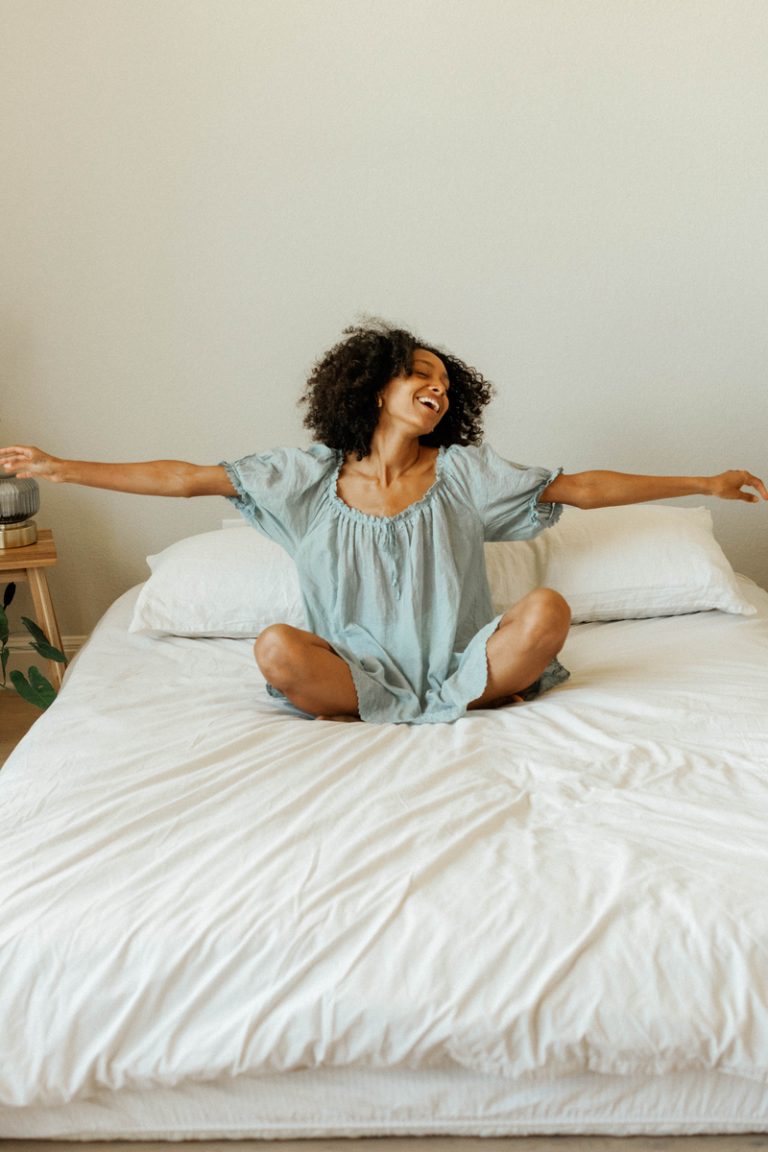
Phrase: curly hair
(344, 384)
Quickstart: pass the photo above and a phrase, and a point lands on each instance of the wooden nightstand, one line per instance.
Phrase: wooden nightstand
(29, 563)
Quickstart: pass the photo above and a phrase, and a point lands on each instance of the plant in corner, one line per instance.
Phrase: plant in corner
(34, 687)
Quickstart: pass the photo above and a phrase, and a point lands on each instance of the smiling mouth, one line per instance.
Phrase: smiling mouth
(428, 402)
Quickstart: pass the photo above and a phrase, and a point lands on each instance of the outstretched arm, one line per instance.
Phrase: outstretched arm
(606, 489)
(149, 478)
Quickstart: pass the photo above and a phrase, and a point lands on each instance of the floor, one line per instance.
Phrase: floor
(16, 718)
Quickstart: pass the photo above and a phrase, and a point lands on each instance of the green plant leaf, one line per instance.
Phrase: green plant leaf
(41, 683)
(41, 644)
(4, 628)
(35, 690)
(24, 689)
(48, 652)
(34, 630)
(8, 594)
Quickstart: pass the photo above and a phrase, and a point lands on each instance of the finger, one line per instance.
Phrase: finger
(747, 480)
(756, 483)
(15, 453)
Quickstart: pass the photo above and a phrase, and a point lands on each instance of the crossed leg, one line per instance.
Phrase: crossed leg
(305, 668)
(529, 636)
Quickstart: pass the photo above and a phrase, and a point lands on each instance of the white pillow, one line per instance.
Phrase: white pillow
(513, 571)
(232, 582)
(609, 564)
(624, 563)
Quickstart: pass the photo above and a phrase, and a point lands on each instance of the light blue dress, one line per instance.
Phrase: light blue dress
(403, 599)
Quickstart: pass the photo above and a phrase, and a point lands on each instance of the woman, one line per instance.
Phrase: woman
(385, 516)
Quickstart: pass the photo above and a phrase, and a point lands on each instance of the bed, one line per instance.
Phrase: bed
(223, 920)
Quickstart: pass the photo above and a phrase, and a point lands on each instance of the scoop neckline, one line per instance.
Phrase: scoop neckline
(403, 514)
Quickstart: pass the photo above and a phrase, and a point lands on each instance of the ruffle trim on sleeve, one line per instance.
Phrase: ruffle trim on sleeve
(544, 513)
(242, 501)
(234, 476)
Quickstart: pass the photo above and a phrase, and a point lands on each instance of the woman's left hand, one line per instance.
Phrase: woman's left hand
(728, 486)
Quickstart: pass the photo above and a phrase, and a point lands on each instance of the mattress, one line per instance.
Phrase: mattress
(223, 920)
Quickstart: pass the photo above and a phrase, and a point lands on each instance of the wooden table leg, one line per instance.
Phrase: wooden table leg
(46, 617)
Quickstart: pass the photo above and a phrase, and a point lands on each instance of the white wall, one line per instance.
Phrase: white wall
(199, 194)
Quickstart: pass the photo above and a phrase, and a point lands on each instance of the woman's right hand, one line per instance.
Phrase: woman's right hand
(27, 462)
(146, 477)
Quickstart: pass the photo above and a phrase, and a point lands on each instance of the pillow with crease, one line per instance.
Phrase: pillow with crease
(628, 563)
(609, 564)
(231, 582)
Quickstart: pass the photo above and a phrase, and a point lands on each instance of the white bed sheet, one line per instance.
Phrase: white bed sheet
(197, 888)
(361, 1102)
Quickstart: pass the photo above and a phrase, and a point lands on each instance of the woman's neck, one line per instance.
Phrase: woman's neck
(392, 456)
(387, 482)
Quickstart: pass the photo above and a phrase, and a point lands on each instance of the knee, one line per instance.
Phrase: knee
(275, 653)
(547, 617)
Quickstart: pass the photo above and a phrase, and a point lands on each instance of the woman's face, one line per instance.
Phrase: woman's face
(420, 399)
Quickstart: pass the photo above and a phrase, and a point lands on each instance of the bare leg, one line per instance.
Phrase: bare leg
(530, 635)
(306, 669)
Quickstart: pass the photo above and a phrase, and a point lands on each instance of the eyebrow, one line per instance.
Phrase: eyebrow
(420, 360)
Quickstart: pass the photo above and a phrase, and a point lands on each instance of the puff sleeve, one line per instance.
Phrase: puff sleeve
(506, 495)
(278, 491)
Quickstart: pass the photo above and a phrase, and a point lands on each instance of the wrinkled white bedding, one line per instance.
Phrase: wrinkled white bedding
(196, 885)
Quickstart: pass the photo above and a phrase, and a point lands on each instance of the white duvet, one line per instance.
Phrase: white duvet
(196, 885)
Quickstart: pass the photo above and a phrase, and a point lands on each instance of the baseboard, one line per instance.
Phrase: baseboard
(20, 643)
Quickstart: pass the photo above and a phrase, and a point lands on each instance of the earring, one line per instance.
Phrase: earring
(379, 402)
